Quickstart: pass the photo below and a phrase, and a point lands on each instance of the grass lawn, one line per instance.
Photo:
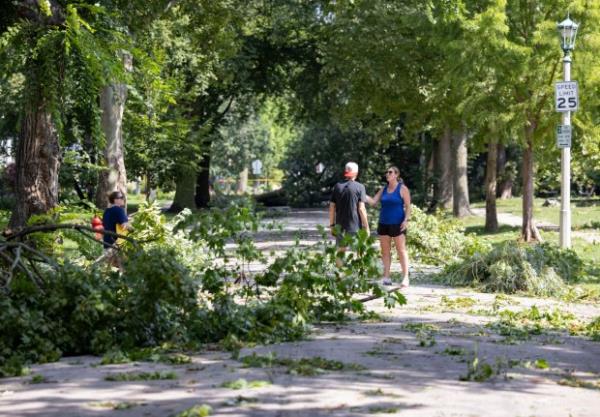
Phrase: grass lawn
(587, 251)
(134, 201)
(475, 225)
(585, 212)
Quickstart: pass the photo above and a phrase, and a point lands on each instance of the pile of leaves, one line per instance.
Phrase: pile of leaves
(434, 239)
(181, 288)
(510, 267)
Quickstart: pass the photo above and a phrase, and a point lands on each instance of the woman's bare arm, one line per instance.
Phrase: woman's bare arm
(405, 193)
(374, 200)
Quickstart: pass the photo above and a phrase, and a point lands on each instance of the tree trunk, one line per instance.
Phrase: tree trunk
(243, 182)
(184, 192)
(504, 189)
(37, 166)
(460, 187)
(491, 215)
(443, 187)
(431, 181)
(112, 103)
(78, 189)
(529, 231)
(423, 161)
(501, 159)
(202, 197)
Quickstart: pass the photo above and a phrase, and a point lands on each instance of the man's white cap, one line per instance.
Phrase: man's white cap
(351, 169)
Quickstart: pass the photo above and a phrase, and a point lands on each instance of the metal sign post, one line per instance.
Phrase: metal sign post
(566, 101)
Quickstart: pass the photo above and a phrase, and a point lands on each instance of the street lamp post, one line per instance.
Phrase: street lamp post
(567, 30)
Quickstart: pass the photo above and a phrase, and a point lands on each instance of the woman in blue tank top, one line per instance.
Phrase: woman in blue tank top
(393, 222)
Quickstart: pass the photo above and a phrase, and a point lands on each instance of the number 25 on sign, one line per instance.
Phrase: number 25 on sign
(567, 97)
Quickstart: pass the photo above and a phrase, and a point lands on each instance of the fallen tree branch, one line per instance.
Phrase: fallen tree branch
(44, 228)
(36, 252)
(374, 297)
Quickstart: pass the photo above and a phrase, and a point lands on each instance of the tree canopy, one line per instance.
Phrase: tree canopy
(206, 76)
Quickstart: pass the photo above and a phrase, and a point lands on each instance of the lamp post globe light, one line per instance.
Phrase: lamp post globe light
(567, 30)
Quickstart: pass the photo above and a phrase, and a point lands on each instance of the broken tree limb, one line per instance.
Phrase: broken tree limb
(375, 296)
(44, 228)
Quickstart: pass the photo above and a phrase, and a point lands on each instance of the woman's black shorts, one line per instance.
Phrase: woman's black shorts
(391, 230)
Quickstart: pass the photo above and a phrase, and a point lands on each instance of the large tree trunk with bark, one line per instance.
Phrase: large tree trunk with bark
(112, 103)
(184, 192)
(460, 187)
(443, 186)
(37, 165)
(529, 231)
(202, 197)
(491, 215)
(505, 183)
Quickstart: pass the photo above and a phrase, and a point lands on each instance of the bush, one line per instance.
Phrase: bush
(436, 240)
(176, 291)
(510, 267)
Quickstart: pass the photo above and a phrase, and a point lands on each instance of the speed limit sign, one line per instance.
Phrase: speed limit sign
(567, 96)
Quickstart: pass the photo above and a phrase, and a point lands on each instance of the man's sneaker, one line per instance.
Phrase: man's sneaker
(386, 281)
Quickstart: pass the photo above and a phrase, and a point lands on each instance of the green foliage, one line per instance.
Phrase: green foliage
(114, 357)
(203, 410)
(420, 327)
(424, 332)
(141, 376)
(458, 302)
(84, 310)
(304, 366)
(572, 381)
(510, 267)
(243, 384)
(593, 329)
(332, 147)
(314, 287)
(478, 371)
(454, 351)
(161, 293)
(521, 325)
(145, 354)
(38, 379)
(243, 139)
(113, 405)
(178, 292)
(437, 240)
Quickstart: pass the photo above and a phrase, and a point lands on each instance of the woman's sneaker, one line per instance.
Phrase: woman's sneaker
(386, 281)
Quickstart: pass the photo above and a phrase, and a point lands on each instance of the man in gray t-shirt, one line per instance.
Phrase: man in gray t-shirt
(347, 206)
